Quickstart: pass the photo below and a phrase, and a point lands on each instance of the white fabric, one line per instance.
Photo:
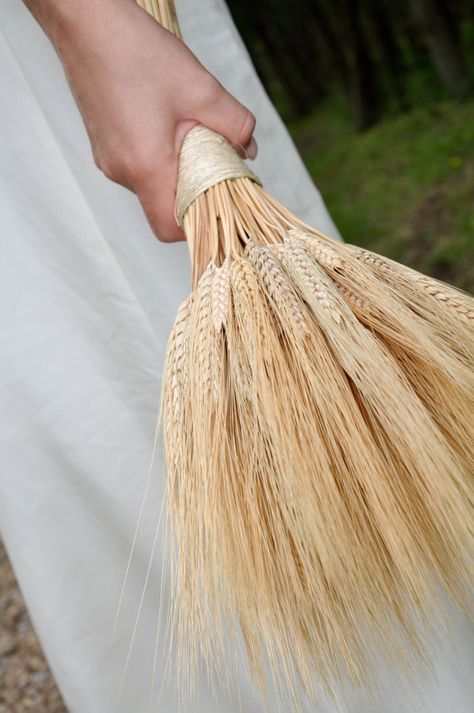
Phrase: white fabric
(87, 298)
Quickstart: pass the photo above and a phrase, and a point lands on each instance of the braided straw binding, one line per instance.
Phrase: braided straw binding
(206, 158)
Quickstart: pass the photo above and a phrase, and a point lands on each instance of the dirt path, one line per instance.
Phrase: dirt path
(26, 683)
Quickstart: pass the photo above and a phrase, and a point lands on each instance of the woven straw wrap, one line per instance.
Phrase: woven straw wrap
(206, 158)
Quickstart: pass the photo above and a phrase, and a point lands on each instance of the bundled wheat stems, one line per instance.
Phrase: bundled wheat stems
(317, 409)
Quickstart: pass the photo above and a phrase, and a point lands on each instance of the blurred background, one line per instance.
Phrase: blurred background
(379, 97)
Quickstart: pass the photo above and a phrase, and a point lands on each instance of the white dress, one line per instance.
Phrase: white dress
(87, 299)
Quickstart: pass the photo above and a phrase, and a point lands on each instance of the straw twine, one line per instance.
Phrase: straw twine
(205, 158)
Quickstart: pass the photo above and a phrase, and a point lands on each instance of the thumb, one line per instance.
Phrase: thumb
(231, 119)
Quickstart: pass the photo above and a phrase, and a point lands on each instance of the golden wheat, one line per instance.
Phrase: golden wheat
(337, 474)
(318, 430)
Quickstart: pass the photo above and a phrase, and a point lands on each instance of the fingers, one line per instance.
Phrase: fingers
(157, 192)
(150, 167)
(157, 189)
(228, 117)
(251, 149)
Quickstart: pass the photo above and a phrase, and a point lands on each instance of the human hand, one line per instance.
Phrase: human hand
(139, 90)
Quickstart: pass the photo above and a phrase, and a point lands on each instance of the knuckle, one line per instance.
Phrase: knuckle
(108, 166)
(129, 165)
(160, 233)
(103, 163)
(135, 164)
(109, 171)
(96, 160)
(164, 230)
(211, 90)
(153, 216)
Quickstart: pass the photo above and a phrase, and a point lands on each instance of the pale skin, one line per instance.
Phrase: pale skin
(139, 90)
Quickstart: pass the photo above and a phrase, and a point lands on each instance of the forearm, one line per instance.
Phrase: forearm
(63, 19)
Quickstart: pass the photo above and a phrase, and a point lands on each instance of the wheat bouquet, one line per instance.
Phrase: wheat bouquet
(318, 430)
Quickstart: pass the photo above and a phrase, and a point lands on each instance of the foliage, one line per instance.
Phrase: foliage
(383, 56)
(378, 95)
(403, 188)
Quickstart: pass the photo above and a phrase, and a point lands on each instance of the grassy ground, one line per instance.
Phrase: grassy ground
(404, 189)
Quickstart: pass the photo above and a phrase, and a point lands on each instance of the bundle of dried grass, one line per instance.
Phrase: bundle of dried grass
(318, 431)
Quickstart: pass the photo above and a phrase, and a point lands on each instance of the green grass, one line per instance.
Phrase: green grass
(404, 189)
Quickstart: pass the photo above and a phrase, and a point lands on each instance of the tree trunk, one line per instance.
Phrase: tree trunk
(444, 44)
(359, 67)
(386, 40)
(293, 81)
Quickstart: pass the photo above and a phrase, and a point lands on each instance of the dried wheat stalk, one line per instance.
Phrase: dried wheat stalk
(317, 406)
(329, 490)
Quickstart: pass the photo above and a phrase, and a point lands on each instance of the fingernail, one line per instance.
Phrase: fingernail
(251, 149)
